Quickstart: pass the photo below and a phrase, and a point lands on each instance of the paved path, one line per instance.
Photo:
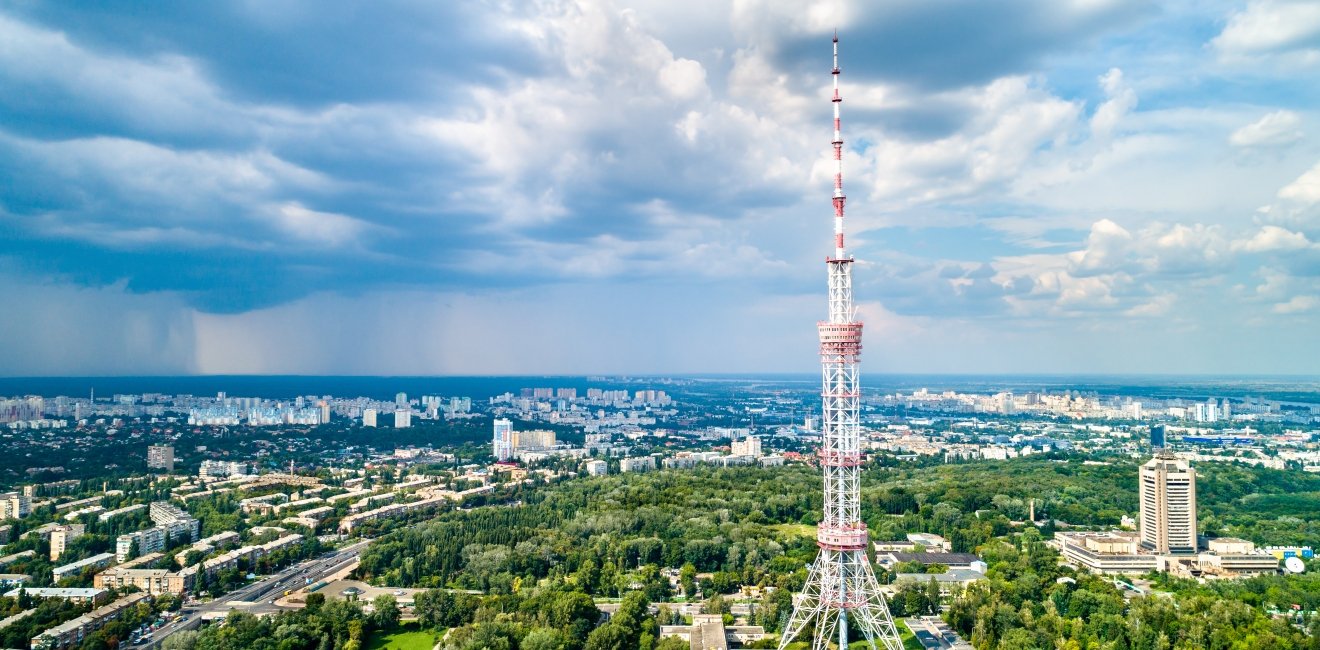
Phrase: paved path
(934, 634)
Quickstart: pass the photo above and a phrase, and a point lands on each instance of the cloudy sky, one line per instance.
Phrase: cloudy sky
(560, 186)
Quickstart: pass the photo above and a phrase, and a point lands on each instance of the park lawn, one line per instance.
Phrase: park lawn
(910, 641)
(798, 530)
(406, 638)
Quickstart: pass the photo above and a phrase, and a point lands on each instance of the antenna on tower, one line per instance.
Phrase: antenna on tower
(840, 583)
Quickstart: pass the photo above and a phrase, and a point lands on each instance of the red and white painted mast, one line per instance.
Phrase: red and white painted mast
(840, 583)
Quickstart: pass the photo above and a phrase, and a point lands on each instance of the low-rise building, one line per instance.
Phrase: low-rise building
(209, 544)
(708, 632)
(14, 557)
(893, 545)
(295, 505)
(221, 469)
(597, 468)
(372, 501)
(1231, 557)
(172, 523)
(351, 494)
(14, 579)
(262, 504)
(949, 581)
(317, 513)
(137, 573)
(72, 594)
(72, 633)
(231, 559)
(952, 560)
(111, 514)
(347, 524)
(637, 463)
(75, 568)
(931, 542)
(77, 503)
(1121, 552)
(86, 510)
(1113, 552)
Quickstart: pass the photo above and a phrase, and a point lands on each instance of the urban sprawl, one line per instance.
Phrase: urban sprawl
(193, 506)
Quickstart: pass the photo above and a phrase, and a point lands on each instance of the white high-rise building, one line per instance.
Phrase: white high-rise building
(14, 505)
(1168, 505)
(368, 417)
(749, 446)
(160, 457)
(60, 537)
(503, 439)
(402, 418)
(221, 468)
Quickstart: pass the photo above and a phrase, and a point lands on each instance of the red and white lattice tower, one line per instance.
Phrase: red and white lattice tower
(841, 588)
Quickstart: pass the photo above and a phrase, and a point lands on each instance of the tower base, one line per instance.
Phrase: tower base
(841, 587)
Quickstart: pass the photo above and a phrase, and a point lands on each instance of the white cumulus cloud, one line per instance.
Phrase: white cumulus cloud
(1277, 129)
(1306, 189)
(1297, 305)
(1268, 27)
(1273, 238)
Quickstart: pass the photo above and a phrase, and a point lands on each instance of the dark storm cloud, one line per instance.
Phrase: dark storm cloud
(195, 147)
(306, 53)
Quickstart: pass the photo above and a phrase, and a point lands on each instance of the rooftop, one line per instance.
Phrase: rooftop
(58, 592)
(951, 559)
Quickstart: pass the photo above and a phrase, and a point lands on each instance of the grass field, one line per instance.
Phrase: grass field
(407, 638)
(909, 641)
(799, 530)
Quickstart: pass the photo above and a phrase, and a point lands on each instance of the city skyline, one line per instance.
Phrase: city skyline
(578, 188)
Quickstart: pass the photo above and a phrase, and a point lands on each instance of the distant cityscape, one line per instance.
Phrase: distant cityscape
(184, 495)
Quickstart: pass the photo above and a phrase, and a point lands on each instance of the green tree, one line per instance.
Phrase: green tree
(314, 601)
(610, 637)
(544, 638)
(385, 612)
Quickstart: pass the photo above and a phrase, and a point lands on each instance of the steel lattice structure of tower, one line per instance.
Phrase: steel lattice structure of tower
(840, 583)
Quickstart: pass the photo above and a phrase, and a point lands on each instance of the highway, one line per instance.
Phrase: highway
(259, 597)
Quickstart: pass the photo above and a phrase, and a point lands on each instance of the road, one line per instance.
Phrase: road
(259, 597)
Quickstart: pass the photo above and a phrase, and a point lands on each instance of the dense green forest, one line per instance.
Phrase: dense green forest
(1031, 601)
(755, 523)
(551, 549)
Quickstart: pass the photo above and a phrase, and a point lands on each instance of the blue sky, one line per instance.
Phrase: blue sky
(596, 186)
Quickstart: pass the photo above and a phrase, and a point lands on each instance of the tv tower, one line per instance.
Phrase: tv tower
(841, 588)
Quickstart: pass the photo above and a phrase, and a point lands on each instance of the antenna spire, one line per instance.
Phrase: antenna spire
(841, 587)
